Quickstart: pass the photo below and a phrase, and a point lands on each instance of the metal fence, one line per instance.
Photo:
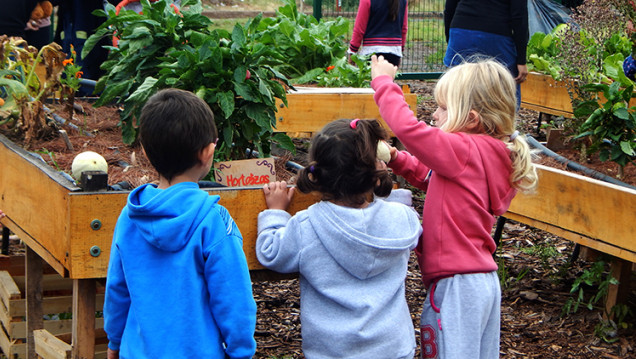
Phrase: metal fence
(425, 41)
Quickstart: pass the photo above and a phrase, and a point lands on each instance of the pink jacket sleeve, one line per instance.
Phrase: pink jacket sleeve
(405, 26)
(444, 153)
(360, 25)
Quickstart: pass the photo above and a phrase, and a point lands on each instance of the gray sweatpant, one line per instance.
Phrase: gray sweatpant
(461, 317)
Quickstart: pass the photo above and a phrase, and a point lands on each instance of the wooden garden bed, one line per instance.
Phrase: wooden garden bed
(592, 213)
(544, 94)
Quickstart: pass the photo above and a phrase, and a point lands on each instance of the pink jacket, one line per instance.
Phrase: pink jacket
(468, 186)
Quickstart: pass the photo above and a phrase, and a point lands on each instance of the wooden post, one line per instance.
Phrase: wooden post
(617, 293)
(34, 312)
(83, 332)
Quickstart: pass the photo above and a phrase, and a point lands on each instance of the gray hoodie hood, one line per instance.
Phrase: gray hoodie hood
(366, 242)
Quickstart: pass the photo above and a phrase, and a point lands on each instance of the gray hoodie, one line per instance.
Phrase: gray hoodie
(352, 264)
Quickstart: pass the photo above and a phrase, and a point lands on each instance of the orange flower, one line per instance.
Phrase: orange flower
(79, 74)
(329, 68)
(67, 62)
(73, 50)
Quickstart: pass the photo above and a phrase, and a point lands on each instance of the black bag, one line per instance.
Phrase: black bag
(545, 15)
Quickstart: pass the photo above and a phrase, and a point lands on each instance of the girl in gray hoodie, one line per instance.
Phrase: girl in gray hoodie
(351, 249)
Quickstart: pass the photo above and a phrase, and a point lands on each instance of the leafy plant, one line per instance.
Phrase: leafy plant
(70, 81)
(231, 72)
(611, 125)
(596, 277)
(304, 45)
(22, 90)
(340, 74)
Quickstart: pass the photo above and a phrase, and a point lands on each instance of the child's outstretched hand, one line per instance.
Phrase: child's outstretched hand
(380, 66)
(277, 195)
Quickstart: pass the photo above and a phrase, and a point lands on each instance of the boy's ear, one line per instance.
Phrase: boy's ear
(207, 153)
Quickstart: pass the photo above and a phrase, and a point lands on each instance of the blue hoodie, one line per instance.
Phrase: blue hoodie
(352, 264)
(178, 285)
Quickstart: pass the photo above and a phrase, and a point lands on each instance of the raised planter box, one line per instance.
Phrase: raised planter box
(72, 230)
(544, 94)
(592, 213)
(310, 108)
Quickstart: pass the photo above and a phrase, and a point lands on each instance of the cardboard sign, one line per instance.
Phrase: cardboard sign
(245, 173)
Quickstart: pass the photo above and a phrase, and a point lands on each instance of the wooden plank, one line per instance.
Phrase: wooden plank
(50, 282)
(36, 246)
(244, 206)
(33, 194)
(592, 243)
(8, 289)
(10, 349)
(617, 293)
(56, 327)
(34, 299)
(309, 109)
(48, 346)
(83, 329)
(589, 208)
(14, 264)
(542, 93)
(85, 208)
(50, 305)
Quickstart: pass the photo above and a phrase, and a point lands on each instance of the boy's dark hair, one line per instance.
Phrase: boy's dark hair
(175, 125)
(343, 162)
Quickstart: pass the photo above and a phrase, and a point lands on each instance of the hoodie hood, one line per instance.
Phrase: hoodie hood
(367, 241)
(166, 218)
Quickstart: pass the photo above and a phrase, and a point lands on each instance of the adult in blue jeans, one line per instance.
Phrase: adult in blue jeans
(488, 28)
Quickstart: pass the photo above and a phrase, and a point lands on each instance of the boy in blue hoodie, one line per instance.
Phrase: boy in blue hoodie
(178, 285)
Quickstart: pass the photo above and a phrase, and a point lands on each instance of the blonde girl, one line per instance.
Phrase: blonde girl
(471, 164)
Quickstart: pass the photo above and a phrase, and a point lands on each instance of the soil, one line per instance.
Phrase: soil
(537, 269)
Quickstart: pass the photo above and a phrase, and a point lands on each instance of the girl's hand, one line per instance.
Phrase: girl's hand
(2, 215)
(380, 66)
(277, 195)
(393, 152)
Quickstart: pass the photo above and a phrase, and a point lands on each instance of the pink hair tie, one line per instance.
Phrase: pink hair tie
(354, 123)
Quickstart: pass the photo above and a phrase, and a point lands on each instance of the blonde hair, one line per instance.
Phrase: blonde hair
(488, 88)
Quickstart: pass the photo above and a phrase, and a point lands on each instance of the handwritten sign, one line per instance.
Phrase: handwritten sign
(245, 173)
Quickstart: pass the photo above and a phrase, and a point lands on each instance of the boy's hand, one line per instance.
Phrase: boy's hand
(112, 354)
(277, 196)
(380, 66)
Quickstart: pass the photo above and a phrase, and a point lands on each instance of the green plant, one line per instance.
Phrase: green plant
(70, 81)
(340, 74)
(611, 125)
(230, 71)
(304, 45)
(21, 88)
(51, 155)
(545, 252)
(596, 276)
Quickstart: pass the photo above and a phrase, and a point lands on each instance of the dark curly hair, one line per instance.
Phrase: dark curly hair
(343, 163)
